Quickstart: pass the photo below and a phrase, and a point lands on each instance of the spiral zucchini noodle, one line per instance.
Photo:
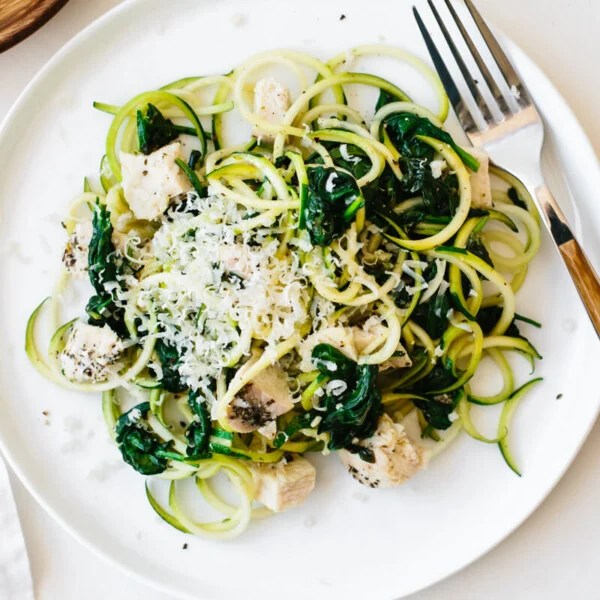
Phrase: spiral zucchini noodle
(276, 272)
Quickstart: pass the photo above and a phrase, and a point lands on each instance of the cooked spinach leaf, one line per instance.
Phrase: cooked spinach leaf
(102, 310)
(331, 205)
(438, 407)
(104, 265)
(154, 130)
(383, 99)
(332, 362)
(140, 447)
(437, 410)
(198, 431)
(403, 129)
(515, 198)
(478, 248)
(169, 360)
(487, 318)
(433, 315)
(355, 412)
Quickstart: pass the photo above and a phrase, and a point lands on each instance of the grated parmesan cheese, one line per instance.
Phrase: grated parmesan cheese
(336, 387)
(330, 183)
(347, 156)
(437, 168)
(219, 291)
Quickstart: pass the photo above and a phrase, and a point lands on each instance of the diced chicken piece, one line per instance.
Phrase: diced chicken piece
(397, 458)
(236, 259)
(265, 398)
(339, 337)
(150, 182)
(285, 484)
(75, 257)
(91, 353)
(481, 187)
(271, 102)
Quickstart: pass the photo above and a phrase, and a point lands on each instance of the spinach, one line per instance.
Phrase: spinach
(154, 130)
(440, 195)
(102, 310)
(169, 361)
(433, 315)
(439, 377)
(515, 198)
(332, 202)
(383, 99)
(104, 266)
(403, 129)
(488, 317)
(330, 360)
(102, 259)
(355, 412)
(141, 448)
(437, 410)
(477, 247)
(384, 191)
(198, 431)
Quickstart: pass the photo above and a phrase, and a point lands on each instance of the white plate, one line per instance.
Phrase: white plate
(346, 541)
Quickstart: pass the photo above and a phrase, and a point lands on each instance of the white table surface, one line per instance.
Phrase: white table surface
(556, 553)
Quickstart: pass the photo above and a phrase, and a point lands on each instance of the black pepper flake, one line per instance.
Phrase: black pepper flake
(184, 547)
(342, 17)
(559, 396)
(144, 172)
(45, 413)
(182, 423)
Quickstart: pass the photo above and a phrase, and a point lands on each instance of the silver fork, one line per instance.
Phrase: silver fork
(513, 142)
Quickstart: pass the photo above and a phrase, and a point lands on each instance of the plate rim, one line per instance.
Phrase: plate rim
(594, 173)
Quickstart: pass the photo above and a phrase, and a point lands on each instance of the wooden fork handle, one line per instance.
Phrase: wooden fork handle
(585, 279)
(580, 268)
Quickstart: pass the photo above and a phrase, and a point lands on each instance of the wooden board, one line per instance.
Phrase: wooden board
(20, 18)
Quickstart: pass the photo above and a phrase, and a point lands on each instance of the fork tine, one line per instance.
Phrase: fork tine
(470, 81)
(510, 75)
(458, 103)
(491, 82)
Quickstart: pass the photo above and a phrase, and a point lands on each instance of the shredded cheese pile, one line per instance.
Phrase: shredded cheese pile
(220, 288)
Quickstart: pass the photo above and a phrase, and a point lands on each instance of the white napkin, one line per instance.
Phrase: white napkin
(15, 575)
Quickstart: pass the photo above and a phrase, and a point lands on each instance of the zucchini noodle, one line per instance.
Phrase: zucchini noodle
(306, 284)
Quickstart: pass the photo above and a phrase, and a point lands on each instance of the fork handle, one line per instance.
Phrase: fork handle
(582, 272)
